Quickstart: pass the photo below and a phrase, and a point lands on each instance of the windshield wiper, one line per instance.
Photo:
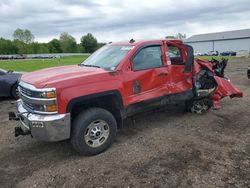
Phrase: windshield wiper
(90, 65)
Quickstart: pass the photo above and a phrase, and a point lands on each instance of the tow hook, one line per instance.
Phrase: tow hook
(13, 116)
(19, 131)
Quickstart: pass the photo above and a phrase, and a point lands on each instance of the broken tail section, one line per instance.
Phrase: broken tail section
(224, 87)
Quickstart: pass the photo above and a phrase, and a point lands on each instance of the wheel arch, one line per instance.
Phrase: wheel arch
(109, 100)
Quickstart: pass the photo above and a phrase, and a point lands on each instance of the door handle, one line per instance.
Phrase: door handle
(162, 74)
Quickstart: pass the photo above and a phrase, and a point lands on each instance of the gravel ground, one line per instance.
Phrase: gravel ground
(164, 148)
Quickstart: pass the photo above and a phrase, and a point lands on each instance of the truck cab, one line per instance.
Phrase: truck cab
(87, 103)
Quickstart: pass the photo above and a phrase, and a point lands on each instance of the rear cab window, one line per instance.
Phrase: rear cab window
(175, 55)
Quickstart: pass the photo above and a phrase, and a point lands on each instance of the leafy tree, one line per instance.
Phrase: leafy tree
(178, 36)
(23, 43)
(80, 48)
(68, 43)
(7, 47)
(54, 46)
(99, 45)
(181, 36)
(170, 37)
(33, 48)
(23, 35)
(37, 48)
(89, 43)
(43, 48)
(22, 47)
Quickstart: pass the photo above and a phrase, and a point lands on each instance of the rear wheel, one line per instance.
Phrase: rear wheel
(14, 91)
(199, 106)
(93, 131)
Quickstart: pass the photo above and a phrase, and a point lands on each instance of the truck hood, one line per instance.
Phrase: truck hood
(53, 75)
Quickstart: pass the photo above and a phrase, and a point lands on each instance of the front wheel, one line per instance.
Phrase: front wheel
(93, 131)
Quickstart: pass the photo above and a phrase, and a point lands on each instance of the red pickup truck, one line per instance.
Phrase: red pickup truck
(87, 103)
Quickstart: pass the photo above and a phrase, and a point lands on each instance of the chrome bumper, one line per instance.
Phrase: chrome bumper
(44, 127)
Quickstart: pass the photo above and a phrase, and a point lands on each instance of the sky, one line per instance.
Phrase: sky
(121, 20)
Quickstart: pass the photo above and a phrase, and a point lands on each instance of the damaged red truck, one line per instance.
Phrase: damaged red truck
(87, 103)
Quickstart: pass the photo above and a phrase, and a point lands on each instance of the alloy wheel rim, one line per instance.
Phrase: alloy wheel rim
(97, 133)
(199, 107)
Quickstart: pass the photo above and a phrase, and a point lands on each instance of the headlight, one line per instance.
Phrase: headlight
(49, 94)
(50, 108)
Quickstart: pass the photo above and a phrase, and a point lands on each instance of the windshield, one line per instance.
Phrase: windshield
(107, 57)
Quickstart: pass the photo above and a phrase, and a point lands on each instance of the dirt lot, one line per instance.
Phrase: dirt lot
(165, 148)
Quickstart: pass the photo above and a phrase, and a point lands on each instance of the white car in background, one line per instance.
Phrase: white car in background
(213, 53)
(197, 54)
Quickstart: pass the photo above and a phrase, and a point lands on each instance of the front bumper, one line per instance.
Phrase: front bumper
(43, 127)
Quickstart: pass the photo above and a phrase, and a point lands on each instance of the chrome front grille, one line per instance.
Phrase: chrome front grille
(25, 91)
(28, 106)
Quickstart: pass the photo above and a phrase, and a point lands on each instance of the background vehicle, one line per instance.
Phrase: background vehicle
(213, 53)
(197, 54)
(228, 53)
(87, 103)
(8, 83)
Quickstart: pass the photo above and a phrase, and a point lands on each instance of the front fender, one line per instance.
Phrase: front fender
(81, 89)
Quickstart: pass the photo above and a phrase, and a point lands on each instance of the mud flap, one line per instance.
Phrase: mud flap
(224, 89)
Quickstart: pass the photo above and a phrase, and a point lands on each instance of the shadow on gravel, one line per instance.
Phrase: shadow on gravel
(7, 99)
(21, 163)
(136, 124)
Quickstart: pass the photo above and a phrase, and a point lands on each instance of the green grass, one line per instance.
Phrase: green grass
(32, 65)
(216, 57)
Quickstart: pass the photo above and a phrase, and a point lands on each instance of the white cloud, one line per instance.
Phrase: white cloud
(113, 20)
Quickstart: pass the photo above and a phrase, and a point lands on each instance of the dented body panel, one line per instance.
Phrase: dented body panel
(224, 87)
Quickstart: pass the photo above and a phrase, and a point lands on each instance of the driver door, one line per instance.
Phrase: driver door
(147, 79)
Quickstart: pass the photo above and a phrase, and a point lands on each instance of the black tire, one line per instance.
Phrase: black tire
(204, 105)
(81, 125)
(14, 91)
(188, 105)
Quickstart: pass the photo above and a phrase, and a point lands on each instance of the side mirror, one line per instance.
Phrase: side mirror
(190, 59)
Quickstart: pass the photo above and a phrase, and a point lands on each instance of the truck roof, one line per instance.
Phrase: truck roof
(143, 42)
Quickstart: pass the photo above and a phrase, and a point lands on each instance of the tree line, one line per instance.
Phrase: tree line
(177, 36)
(23, 43)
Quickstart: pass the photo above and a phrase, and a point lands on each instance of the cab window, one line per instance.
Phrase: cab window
(175, 55)
(148, 57)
